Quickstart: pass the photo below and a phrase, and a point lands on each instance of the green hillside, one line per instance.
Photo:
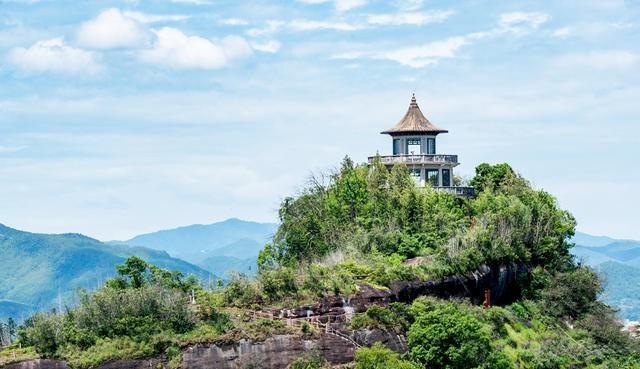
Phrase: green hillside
(37, 271)
(618, 262)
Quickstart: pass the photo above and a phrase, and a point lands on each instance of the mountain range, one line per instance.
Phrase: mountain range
(618, 263)
(230, 245)
(43, 271)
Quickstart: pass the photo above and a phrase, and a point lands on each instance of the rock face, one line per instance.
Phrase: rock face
(274, 353)
(501, 281)
(367, 337)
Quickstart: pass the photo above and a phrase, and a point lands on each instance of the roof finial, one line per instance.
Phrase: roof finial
(413, 100)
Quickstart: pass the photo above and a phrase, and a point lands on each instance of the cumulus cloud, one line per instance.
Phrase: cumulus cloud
(54, 56)
(411, 18)
(172, 48)
(112, 29)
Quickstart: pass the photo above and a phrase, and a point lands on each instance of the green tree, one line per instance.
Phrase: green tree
(134, 271)
(380, 357)
(449, 337)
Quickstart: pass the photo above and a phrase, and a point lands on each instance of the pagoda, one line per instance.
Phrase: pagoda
(414, 145)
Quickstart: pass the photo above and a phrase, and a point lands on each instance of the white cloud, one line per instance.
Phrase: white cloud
(310, 25)
(11, 149)
(154, 18)
(54, 56)
(271, 27)
(412, 18)
(409, 5)
(271, 46)
(193, 2)
(172, 48)
(234, 22)
(416, 56)
(427, 54)
(519, 22)
(605, 60)
(341, 6)
(112, 29)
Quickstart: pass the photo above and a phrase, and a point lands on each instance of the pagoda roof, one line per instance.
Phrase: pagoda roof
(414, 122)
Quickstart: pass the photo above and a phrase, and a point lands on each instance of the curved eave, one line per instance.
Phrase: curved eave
(414, 132)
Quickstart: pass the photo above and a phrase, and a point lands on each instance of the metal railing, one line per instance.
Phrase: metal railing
(416, 159)
(457, 191)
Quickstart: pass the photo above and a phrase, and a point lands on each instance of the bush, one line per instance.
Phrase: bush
(380, 357)
(43, 331)
(449, 338)
(241, 292)
(572, 294)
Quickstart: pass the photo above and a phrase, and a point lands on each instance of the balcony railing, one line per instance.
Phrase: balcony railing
(416, 159)
(457, 191)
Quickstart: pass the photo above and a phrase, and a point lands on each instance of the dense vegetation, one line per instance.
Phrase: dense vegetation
(360, 225)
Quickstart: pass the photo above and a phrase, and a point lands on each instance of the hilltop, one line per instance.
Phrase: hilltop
(369, 270)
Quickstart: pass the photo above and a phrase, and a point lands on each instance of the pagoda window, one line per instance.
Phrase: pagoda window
(431, 146)
(414, 146)
(446, 177)
(396, 146)
(431, 175)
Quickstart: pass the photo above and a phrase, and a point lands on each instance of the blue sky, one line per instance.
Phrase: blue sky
(123, 117)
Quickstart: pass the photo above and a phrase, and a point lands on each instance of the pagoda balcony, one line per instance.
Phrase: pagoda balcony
(457, 191)
(416, 159)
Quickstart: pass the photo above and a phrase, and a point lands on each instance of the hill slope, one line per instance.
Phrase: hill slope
(37, 268)
(618, 262)
(196, 242)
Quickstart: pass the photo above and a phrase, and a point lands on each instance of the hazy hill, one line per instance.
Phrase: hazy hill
(618, 262)
(196, 242)
(37, 268)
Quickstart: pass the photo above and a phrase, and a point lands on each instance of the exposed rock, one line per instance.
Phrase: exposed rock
(274, 353)
(367, 337)
(38, 364)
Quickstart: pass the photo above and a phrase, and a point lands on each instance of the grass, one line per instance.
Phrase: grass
(12, 354)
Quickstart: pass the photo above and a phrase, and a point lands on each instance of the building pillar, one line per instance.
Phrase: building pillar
(440, 177)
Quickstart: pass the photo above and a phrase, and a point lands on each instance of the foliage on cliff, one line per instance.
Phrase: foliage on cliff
(362, 209)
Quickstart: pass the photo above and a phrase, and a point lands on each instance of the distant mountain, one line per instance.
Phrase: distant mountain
(239, 256)
(618, 262)
(585, 239)
(39, 270)
(223, 265)
(197, 242)
(622, 288)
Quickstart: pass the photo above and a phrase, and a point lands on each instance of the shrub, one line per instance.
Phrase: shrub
(380, 357)
(241, 292)
(449, 338)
